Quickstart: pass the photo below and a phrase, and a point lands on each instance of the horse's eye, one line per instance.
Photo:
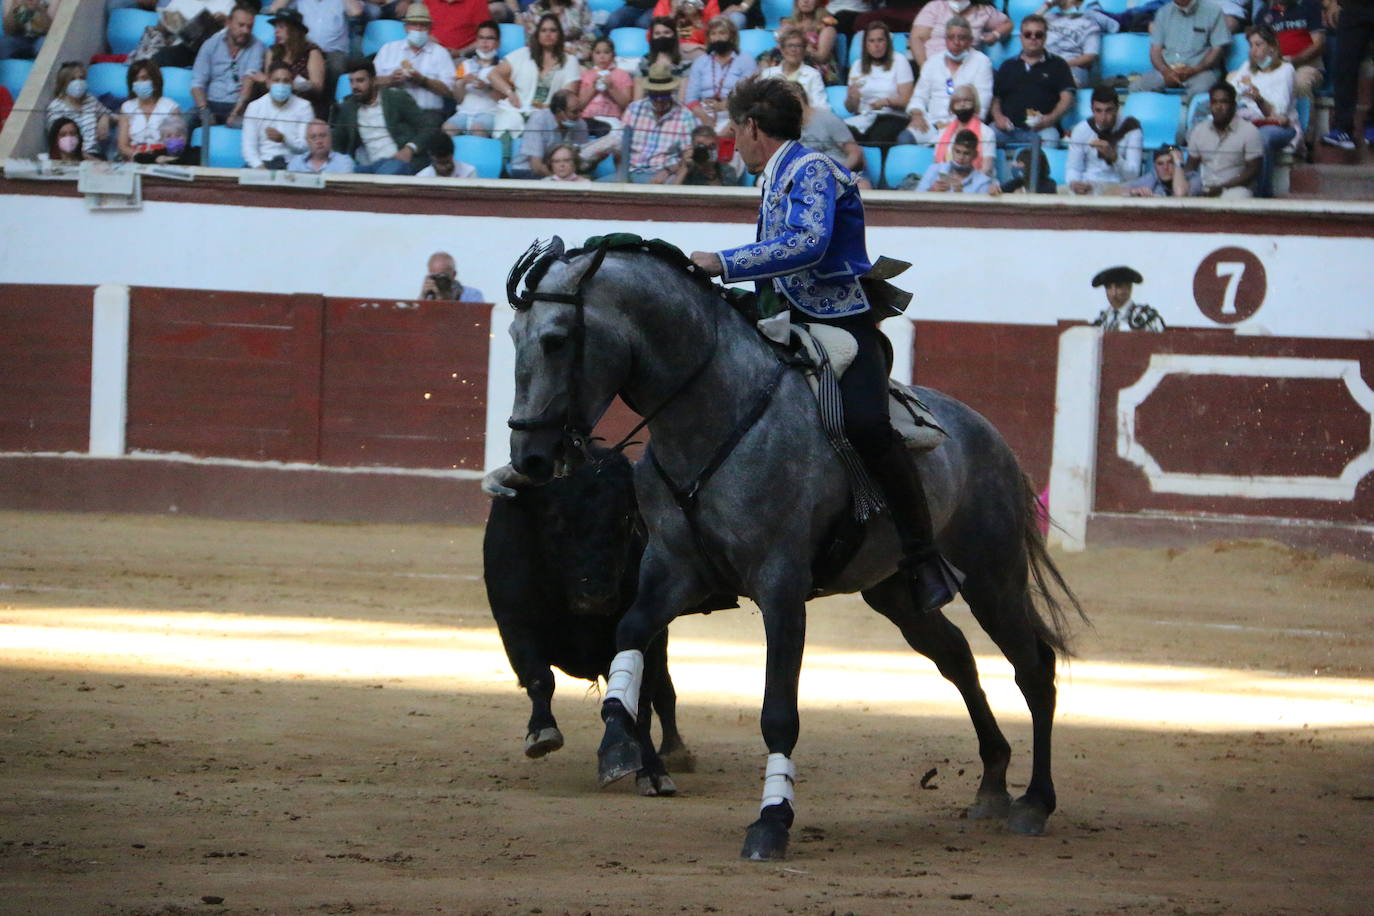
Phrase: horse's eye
(553, 343)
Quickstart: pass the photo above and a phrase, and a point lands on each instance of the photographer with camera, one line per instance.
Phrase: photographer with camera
(698, 164)
(441, 282)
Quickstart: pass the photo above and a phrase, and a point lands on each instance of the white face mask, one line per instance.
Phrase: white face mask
(76, 89)
(959, 5)
(1266, 62)
(417, 39)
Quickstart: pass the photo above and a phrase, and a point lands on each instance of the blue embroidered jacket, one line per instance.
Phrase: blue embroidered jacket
(810, 239)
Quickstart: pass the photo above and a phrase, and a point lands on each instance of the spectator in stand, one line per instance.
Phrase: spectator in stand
(71, 100)
(697, 163)
(1033, 90)
(141, 116)
(1187, 42)
(441, 161)
(659, 125)
(635, 13)
(456, 21)
(715, 73)
(1020, 181)
(605, 89)
(1264, 85)
(1167, 178)
(847, 13)
(327, 22)
(319, 156)
(1122, 312)
(25, 27)
(274, 125)
(442, 281)
(819, 29)
(880, 87)
(419, 65)
(964, 105)
(1104, 150)
(573, 15)
(1226, 149)
(563, 164)
(1302, 39)
(1074, 36)
(1353, 24)
(175, 148)
(64, 141)
(824, 132)
(958, 173)
(304, 57)
(477, 98)
(664, 48)
(986, 24)
(528, 77)
(560, 123)
(381, 129)
(897, 15)
(794, 69)
(221, 79)
(957, 65)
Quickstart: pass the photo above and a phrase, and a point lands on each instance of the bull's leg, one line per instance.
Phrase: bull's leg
(784, 623)
(672, 749)
(542, 736)
(662, 595)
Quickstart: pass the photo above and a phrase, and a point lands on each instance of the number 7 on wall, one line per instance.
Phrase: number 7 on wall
(1232, 272)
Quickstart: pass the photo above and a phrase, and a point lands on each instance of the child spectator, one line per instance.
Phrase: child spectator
(605, 89)
(441, 161)
(64, 141)
(71, 100)
(958, 173)
(563, 164)
(1167, 178)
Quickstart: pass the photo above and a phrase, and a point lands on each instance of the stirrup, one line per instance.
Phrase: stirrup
(934, 580)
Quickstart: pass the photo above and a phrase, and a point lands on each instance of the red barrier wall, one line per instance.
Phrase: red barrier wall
(45, 349)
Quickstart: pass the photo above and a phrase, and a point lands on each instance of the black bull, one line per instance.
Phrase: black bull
(561, 564)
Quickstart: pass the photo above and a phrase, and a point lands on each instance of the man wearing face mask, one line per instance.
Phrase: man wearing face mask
(561, 122)
(933, 98)
(958, 174)
(1074, 36)
(219, 79)
(274, 125)
(419, 65)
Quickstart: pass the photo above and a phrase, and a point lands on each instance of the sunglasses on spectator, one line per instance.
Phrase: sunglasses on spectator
(1032, 34)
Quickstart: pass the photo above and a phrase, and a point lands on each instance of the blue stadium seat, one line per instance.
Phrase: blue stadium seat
(873, 165)
(605, 6)
(837, 95)
(512, 37)
(380, 31)
(1020, 9)
(604, 169)
(1159, 115)
(342, 89)
(176, 85)
(264, 31)
(907, 159)
(226, 146)
(774, 12)
(1125, 54)
(1238, 53)
(125, 29)
(482, 153)
(1004, 50)
(900, 41)
(13, 73)
(630, 41)
(753, 42)
(108, 79)
(1115, 6)
(1081, 110)
(1304, 106)
(1059, 162)
(1197, 111)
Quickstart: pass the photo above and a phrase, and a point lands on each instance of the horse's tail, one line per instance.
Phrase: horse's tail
(1045, 574)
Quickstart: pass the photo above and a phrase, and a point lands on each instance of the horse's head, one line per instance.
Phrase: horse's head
(565, 364)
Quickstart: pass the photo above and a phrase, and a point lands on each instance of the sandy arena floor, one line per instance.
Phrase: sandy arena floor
(212, 717)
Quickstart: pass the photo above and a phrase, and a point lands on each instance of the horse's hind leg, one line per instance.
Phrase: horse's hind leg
(1010, 621)
(652, 778)
(931, 634)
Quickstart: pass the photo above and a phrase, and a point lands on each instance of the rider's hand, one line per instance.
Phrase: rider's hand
(709, 262)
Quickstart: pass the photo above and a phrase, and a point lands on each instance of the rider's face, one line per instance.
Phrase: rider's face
(749, 145)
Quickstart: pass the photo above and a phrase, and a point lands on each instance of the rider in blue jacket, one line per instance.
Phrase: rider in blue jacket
(810, 250)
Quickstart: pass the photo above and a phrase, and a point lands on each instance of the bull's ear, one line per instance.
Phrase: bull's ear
(555, 248)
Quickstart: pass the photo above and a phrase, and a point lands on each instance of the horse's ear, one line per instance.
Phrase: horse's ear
(555, 247)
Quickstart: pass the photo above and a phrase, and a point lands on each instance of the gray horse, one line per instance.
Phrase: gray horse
(741, 492)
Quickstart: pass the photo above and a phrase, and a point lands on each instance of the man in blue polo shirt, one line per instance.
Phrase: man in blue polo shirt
(219, 79)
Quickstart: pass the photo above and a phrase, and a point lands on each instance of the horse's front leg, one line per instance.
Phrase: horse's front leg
(784, 622)
(663, 593)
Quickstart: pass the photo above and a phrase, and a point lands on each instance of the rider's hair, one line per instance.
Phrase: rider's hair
(772, 104)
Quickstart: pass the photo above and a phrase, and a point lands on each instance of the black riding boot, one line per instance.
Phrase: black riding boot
(935, 580)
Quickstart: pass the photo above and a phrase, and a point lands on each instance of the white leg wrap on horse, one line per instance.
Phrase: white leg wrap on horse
(627, 673)
(779, 781)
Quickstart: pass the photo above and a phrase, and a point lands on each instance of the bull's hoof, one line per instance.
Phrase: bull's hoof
(990, 806)
(766, 838)
(544, 741)
(619, 754)
(679, 760)
(1028, 816)
(652, 785)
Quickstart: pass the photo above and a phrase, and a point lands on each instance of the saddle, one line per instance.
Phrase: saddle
(820, 343)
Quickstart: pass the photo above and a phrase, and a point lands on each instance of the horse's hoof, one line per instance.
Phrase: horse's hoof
(544, 741)
(990, 806)
(766, 838)
(651, 785)
(679, 760)
(1028, 817)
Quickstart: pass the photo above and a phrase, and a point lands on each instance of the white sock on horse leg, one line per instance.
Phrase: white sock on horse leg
(779, 781)
(627, 673)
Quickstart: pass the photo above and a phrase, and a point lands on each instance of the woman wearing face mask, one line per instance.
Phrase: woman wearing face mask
(879, 90)
(714, 75)
(663, 48)
(818, 28)
(274, 125)
(64, 141)
(605, 89)
(988, 23)
(141, 116)
(71, 100)
(1265, 98)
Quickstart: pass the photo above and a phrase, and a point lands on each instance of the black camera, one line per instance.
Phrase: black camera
(701, 154)
(444, 284)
